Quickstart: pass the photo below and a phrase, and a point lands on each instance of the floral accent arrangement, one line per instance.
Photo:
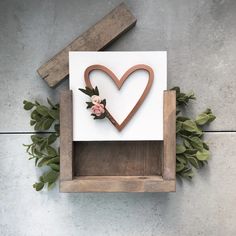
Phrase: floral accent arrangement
(97, 105)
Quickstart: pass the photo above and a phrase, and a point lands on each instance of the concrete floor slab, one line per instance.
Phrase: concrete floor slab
(205, 206)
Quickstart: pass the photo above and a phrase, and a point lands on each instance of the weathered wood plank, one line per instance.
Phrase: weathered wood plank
(109, 28)
(66, 136)
(169, 160)
(118, 184)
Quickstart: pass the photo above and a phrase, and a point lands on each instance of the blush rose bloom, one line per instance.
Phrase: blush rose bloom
(96, 99)
(98, 109)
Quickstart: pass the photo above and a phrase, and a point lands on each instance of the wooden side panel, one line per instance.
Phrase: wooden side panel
(118, 184)
(125, 158)
(66, 136)
(169, 160)
(118, 21)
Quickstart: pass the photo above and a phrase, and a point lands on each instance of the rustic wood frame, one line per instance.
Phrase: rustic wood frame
(119, 83)
(163, 182)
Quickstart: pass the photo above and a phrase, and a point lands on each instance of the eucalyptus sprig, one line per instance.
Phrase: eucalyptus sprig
(42, 149)
(191, 150)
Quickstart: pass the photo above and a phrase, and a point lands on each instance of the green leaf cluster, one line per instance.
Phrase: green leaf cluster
(49, 178)
(191, 150)
(183, 98)
(42, 117)
(42, 149)
(90, 91)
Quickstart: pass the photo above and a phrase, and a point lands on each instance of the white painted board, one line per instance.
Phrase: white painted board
(147, 123)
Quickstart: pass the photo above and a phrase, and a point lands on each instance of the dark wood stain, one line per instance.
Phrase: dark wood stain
(127, 158)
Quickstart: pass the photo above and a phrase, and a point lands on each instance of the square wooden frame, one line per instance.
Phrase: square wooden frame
(88, 178)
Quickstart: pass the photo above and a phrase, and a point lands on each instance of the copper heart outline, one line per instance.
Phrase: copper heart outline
(119, 84)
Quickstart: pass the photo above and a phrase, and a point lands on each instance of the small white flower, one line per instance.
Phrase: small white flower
(96, 99)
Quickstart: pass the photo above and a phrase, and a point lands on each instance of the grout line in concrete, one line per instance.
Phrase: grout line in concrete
(26, 132)
(219, 131)
(48, 132)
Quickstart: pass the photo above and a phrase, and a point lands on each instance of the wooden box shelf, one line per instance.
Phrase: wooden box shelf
(117, 166)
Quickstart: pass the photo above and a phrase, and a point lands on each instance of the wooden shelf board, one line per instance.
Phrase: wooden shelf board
(118, 184)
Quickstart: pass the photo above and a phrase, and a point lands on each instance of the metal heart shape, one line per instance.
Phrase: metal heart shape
(119, 83)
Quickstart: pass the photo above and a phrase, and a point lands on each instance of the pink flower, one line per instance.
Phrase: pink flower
(98, 109)
(96, 99)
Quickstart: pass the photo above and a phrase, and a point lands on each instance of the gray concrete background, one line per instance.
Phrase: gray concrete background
(204, 207)
(199, 36)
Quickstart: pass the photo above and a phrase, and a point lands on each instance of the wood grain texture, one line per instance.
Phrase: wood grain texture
(118, 184)
(66, 136)
(125, 158)
(119, 83)
(169, 160)
(109, 28)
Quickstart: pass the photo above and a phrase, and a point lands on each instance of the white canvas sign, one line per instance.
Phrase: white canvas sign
(147, 122)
